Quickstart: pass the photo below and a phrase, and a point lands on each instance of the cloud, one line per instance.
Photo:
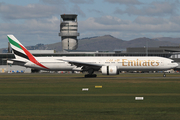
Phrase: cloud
(175, 19)
(76, 9)
(42, 26)
(33, 31)
(32, 27)
(55, 2)
(140, 27)
(153, 9)
(140, 24)
(126, 2)
(150, 20)
(82, 1)
(37, 11)
(96, 11)
(30, 11)
(109, 20)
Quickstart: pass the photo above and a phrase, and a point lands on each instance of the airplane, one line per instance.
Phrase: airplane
(109, 65)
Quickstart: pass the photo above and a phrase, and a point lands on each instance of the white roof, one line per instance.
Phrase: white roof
(41, 51)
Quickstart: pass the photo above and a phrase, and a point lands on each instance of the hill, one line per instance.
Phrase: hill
(106, 42)
(111, 43)
(169, 39)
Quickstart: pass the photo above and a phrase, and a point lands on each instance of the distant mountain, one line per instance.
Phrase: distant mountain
(55, 46)
(111, 43)
(169, 39)
(141, 42)
(108, 43)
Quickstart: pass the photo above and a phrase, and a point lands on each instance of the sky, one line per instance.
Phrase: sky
(38, 21)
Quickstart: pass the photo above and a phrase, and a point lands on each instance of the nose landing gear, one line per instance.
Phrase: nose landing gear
(164, 75)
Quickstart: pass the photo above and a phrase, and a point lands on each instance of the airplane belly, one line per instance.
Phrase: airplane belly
(61, 66)
(141, 68)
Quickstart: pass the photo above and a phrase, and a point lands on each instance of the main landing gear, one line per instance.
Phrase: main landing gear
(90, 75)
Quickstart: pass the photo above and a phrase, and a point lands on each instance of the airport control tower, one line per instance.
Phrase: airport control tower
(69, 31)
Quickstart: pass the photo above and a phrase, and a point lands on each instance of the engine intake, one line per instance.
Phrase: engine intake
(109, 70)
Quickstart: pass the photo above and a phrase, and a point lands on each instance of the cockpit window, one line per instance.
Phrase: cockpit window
(172, 61)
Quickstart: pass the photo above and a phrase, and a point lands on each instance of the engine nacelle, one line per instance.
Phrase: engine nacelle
(109, 70)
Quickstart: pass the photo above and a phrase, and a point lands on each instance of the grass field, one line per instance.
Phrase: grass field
(60, 96)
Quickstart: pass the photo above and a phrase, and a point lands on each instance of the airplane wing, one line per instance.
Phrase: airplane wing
(83, 64)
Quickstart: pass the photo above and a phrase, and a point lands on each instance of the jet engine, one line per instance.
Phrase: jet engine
(109, 70)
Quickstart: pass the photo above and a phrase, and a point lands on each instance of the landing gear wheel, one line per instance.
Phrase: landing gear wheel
(94, 75)
(164, 75)
(87, 76)
(90, 76)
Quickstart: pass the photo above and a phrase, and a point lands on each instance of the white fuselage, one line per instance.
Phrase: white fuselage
(122, 63)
